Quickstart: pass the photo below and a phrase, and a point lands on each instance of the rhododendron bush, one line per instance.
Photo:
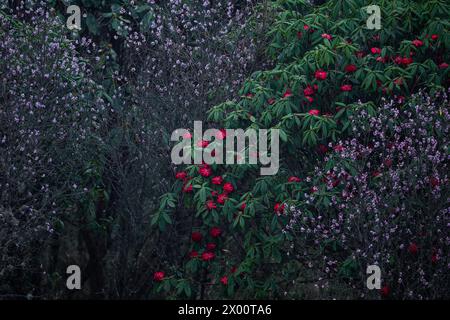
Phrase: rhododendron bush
(329, 68)
(86, 176)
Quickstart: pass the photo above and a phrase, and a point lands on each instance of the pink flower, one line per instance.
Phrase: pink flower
(314, 112)
(346, 87)
(193, 254)
(287, 93)
(215, 232)
(217, 180)
(202, 143)
(224, 280)
(158, 276)
(434, 37)
(181, 175)
(375, 50)
(187, 135)
(228, 187)
(210, 246)
(417, 43)
(326, 36)
(443, 65)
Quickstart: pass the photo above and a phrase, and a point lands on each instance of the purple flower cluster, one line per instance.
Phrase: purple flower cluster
(387, 200)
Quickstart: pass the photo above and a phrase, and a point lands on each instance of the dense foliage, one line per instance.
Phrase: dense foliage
(85, 122)
(328, 68)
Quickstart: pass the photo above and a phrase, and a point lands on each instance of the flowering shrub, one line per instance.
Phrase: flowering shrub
(328, 66)
(50, 108)
(382, 199)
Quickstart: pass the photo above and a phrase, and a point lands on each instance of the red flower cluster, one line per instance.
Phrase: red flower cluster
(320, 74)
(207, 256)
(215, 232)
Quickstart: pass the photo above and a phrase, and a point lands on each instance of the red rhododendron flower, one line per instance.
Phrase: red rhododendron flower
(279, 207)
(314, 112)
(417, 43)
(196, 236)
(217, 180)
(215, 232)
(308, 91)
(346, 87)
(320, 75)
(181, 175)
(214, 193)
(384, 291)
(375, 50)
(222, 198)
(288, 93)
(305, 27)
(228, 187)
(299, 34)
(210, 246)
(207, 256)
(310, 99)
(443, 65)
(202, 143)
(315, 87)
(398, 60)
(412, 248)
(211, 205)
(294, 179)
(158, 276)
(243, 206)
(326, 36)
(224, 280)
(205, 171)
(350, 68)
(434, 37)
(187, 188)
(193, 254)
